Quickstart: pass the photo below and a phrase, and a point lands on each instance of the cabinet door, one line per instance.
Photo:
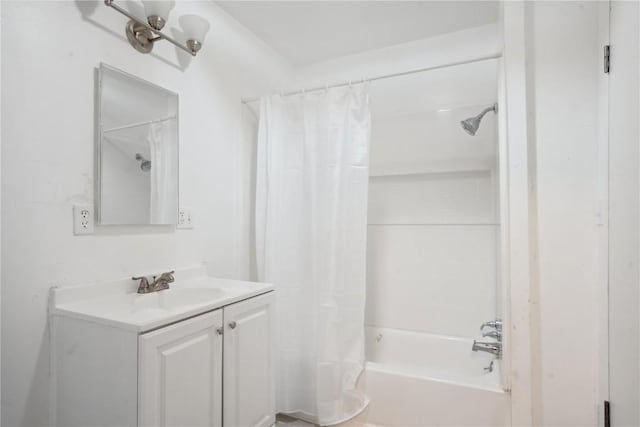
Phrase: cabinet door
(180, 373)
(248, 363)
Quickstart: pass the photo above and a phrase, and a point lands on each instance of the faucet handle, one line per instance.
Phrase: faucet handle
(497, 334)
(489, 368)
(495, 324)
(162, 281)
(144, 284)
(168, 276)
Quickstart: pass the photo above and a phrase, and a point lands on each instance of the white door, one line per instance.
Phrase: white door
(624, 214)
(248, 363)
(180, 373)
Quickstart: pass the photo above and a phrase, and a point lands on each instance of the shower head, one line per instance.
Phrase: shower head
(472, 124)
(145, 164)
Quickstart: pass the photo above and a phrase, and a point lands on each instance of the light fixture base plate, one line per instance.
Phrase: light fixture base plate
(140, 37)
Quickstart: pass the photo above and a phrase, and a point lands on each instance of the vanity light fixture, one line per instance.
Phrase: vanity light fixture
(143, 36)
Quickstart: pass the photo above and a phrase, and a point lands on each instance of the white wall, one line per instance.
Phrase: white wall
(48, 165)
(563, 68)
(566, 66)
(623, 293)
(1, 18)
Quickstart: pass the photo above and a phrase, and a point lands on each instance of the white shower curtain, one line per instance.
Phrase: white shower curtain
(311, 207)
(163, 177)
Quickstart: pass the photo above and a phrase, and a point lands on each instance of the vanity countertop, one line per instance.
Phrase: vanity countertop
(117, 303)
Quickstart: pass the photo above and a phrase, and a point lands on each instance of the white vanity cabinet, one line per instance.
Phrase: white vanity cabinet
(180, 373)
(180, 369)
(208, 368)
(248, 363)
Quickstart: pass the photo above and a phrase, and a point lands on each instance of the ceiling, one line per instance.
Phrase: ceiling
(311, 31)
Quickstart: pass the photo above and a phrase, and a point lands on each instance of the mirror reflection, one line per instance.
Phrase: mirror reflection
(138, 151)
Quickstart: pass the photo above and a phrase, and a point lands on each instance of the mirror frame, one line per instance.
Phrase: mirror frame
(99, 135)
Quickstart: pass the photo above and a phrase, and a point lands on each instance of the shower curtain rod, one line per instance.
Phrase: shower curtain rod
(382, 77)
(133, 125)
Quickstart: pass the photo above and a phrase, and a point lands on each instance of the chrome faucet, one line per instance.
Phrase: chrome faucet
(158, 284)
(495, 334)
(494, 348)
(495, 324)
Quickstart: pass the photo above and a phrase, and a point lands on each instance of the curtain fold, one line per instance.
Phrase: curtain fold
(164, 174)
(311, 207)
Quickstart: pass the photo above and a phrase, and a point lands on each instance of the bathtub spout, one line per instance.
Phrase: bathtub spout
(494, 348)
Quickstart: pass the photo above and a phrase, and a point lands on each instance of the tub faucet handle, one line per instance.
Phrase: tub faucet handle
(495, 324)
(489, 368)
(495, 334)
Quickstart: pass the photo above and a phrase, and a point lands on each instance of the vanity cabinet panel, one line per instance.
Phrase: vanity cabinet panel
(123, 359)
(180, 373)
(249, 363)
(94, 374)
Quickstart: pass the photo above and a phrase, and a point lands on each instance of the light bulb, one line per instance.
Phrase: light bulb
(195, 29)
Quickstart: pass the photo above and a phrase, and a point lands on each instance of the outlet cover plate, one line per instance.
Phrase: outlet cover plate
(185, 218)
(83, 219)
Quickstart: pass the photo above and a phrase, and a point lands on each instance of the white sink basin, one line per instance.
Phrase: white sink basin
(117, 304)
(174, 298)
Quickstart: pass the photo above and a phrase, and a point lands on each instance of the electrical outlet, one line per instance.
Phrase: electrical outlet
(185, 218)
(83, 219)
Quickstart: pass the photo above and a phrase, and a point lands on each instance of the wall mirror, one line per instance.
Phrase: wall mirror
(137, 151)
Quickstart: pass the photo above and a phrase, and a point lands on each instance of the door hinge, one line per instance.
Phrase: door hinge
(607, 58)
(607, 414)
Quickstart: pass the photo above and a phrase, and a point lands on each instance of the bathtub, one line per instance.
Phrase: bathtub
(418, 379)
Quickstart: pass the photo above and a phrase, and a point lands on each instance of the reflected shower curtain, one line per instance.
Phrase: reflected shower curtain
(311, 207)
(163, 176)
